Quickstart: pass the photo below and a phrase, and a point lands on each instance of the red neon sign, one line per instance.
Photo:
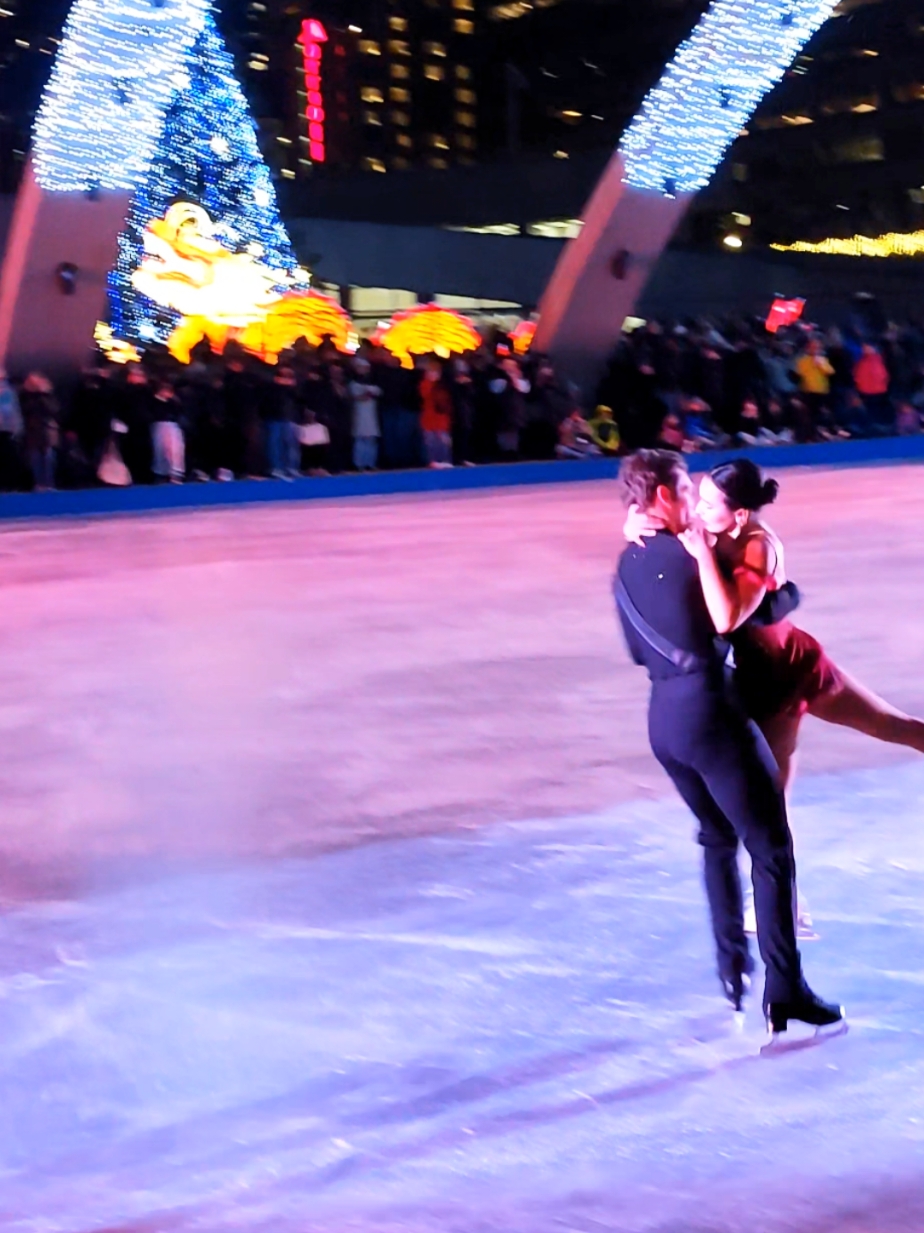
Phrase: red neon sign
(312, 40)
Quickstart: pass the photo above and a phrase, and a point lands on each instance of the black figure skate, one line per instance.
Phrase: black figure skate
(806, 1007)
(736, 988)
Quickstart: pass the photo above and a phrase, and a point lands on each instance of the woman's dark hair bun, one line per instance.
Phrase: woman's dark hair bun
(743, 486)
(769, 492)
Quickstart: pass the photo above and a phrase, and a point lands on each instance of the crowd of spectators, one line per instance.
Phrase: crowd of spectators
(700, 384)
(686, 386)
(316, 412)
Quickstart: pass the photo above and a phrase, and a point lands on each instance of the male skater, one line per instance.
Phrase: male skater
(717, 759)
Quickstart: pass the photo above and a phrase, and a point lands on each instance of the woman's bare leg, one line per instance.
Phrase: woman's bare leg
(852, 705)
(781, 732)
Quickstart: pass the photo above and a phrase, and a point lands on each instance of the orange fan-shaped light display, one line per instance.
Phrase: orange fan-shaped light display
(307, 315)
(427, 330)
(522, 337)
(299, 314)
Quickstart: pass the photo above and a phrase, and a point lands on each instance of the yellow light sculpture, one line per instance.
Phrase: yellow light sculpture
(892, 244)
(223, 295)
(522, 337)
(427, 330)
(186, 268)
(116, 351)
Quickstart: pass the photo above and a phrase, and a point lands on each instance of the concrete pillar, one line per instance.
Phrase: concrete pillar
(40, 326)
(602, 272)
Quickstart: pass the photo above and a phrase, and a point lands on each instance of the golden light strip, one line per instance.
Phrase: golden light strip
(893, 244)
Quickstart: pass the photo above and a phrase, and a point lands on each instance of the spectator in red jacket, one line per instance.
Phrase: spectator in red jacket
(436, 415)
(871, 377)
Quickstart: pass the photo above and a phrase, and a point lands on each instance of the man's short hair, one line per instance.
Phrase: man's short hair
(642, 474)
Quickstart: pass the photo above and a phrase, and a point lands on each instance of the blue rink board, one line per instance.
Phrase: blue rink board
(100, 501)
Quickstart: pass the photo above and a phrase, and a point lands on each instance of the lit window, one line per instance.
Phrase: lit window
(560, 154)
(857, 104)
(466, 96)
(372, 117)
(509, 12)
(374, 164)
(439, 163)
(398, 94)
(258, 66)
(371, 94)
(434, 72)
(464, 6)
(369, 47)
(397, 23)
(400, 163)
(465, 141)
(465, 119)
(404, 140)
(400, 71)
(555, 228)
(399, 47)
(438, 142)
(401, 118)
(860, 150)
(434, 49)
(462, 26)
(786, 121)
(288, 174)
(463, 72)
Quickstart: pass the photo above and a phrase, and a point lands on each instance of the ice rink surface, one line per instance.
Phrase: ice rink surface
(339, 892)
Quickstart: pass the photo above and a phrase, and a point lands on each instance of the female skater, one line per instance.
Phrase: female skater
(782, 672)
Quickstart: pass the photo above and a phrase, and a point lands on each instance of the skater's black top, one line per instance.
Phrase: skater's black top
(662, 580)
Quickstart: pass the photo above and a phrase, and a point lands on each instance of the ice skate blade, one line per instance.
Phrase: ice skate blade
(738, 1018)
(781, 1042)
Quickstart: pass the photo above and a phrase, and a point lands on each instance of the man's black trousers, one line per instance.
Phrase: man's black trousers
(722, 767)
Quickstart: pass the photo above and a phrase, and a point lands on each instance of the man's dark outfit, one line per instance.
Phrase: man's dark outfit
(718, 760)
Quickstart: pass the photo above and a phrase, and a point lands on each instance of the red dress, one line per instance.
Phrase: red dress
(780, 668)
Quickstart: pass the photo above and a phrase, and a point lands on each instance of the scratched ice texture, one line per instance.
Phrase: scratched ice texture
(340, 893)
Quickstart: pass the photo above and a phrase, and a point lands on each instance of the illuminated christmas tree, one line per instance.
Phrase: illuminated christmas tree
(207, 154)
(143, 98)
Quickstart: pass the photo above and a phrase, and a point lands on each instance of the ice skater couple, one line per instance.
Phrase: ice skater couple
(686, 590)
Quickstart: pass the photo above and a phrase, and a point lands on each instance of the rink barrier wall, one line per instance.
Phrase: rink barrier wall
(94, 502)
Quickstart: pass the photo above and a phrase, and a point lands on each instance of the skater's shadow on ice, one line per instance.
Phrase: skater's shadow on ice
(748, 1052)
(481, 1087)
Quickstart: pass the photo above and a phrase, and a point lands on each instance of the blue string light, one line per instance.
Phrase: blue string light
(737, 53)
(119, 65)
(207, 153)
